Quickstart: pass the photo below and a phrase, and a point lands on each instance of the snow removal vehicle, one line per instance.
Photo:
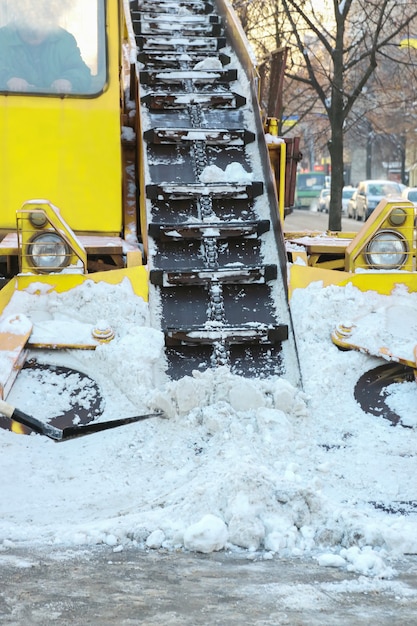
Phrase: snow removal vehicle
(152, 168)
(153, 165)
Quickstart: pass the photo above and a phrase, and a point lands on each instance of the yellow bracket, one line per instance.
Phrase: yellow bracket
(396, 219)
(279, 177)
(46, 242)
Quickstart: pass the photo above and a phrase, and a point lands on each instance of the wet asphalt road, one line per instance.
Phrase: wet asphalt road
(312, 220)
(96, 586)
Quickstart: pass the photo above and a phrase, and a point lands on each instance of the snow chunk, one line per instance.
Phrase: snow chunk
(234, 173)
(208, 535)
(273, 138)
(244, 396)
(155, 539)
(211, 63)
(246, 532)
(366, 562)
(331, 560)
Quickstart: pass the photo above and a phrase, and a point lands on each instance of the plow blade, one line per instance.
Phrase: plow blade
(70, 432)
(383, 333)
(373, 388)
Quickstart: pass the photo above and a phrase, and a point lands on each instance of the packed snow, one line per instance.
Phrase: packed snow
(237, 464)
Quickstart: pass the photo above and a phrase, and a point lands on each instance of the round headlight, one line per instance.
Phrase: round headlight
(397, 216)
(38, 219)
(48, 252)
(387, 250)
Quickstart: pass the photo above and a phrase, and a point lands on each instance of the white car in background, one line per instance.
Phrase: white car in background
(323, 202)
(351, 206)
(347, 193)
(410, 193)
(370, 193)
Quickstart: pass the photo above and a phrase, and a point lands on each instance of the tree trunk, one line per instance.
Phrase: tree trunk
(369, 142)
(337, 182)
(337, 118)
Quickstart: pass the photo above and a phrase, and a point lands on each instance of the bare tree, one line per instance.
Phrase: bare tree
(336, 48)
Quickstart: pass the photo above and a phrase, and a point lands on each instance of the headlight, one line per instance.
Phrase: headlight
(398, 217)
(48, 252)
(387, 250)
(38, 219)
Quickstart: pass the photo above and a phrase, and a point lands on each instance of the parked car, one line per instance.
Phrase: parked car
(323, 202)
(410, 193)
(370, 194)
(351, 205)
(347, 193)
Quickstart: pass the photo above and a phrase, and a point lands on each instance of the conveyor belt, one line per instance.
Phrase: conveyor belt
(214, 244)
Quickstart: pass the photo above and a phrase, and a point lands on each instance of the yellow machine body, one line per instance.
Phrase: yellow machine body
(67, 149)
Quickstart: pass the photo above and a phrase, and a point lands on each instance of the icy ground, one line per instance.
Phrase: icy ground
(238, 464)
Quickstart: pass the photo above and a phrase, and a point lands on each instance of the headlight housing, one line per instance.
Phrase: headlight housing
(38, 219)
(48, 252)
(388, 250)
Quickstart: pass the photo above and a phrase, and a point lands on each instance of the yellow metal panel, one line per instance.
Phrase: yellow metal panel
(138, 277)
(301, 276)
(6, 293)
(382, 282)
(65, 150)
(297, 256)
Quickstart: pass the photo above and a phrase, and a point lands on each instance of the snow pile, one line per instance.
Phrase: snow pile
(238, 464)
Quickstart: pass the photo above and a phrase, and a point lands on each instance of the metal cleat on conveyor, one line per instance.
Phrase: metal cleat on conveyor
(177, 60)
(185, 25)
(211, 333)
(180, 101)
(174, 191)
(170, 6)
(217, 230)
(186, 44)
(211, 136)
(179, 77)
(200, 276)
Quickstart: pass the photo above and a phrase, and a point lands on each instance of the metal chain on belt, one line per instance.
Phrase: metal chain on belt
(220, 355)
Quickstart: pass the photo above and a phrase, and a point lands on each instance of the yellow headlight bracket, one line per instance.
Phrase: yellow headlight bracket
(46, 243)
(386, 242)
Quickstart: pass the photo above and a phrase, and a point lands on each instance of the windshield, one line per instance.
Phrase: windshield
(52, 46)
(383, 189)
(310, 181)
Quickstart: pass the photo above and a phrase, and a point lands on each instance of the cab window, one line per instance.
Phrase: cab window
(54, 47)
